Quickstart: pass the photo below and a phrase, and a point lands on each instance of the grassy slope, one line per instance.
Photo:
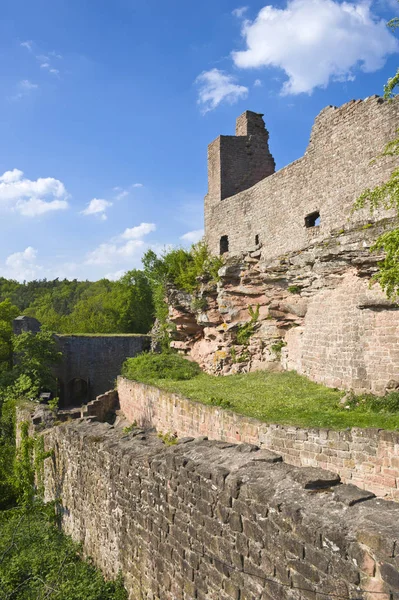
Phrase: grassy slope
(283, 398)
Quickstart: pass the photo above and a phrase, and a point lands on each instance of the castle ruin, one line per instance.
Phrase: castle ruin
(294, 248)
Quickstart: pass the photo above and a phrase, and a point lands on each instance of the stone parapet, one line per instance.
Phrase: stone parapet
(367, 458)
(217, 521)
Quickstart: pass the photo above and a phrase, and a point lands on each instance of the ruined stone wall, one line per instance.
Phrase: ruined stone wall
(368, 458)
(328, 178)
(97, 359)
(215, 521)
(315, 303)
(235, 163)
(350, 334)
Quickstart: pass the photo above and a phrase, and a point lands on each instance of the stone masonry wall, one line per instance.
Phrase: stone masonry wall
(215, 521)
(367, 458)
(316, 303)
(235, 163)
(95, 358)
(328, 178)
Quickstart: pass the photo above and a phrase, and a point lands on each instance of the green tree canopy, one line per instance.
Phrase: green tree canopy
(386, 196)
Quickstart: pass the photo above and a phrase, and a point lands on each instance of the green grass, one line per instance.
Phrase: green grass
(148, 366)
(102, 335)
(38, 561)
(287, 398)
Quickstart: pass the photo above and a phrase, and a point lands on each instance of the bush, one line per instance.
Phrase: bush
(149, 367)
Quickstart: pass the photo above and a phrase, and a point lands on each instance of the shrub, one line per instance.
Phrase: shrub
(277, 348)
(168, 438)
(148, 367)
(246, 331)
(294, 289)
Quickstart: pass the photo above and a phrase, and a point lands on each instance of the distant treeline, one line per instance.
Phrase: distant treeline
(104, 306)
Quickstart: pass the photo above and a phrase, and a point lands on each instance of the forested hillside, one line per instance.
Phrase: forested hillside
(123, 306)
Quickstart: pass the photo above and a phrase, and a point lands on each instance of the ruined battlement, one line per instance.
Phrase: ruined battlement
(285, 211)
(237, 162)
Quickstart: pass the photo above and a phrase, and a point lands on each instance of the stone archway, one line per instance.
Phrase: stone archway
(77, 392)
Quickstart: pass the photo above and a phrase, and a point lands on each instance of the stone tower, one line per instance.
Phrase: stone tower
(237, 162)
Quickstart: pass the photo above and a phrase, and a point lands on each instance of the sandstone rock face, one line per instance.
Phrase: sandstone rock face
(315, 312)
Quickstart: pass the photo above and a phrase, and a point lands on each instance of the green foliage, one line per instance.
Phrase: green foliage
(38, 561)
(53, 404)
(374, 404)
(277, 348)
(129, 428)
(199, 304)
(104, 306)
(233, 354)
(35, 355)
(168, 438)
(388, 274)
(222, 402)
(8, 312)
(286, 398)
(182, 269)
(147, 367)
(31, 373)
(294, 289)
(24, 467)
(386, 196)
(246, 331)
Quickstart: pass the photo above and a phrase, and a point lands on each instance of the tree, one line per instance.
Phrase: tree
(8, 312)
(387, 196)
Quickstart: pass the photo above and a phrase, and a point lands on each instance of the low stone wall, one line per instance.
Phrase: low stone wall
(216, 521)
(368, 458)
(103, 406)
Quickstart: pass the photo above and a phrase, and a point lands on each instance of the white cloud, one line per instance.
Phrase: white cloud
(22, 265)
(257, 83)
(28, 45)
(135, 233)
(36, 207)
(115, 275)
(31, 198)
(47, 66)
(27, 85)
(97, 206)
(122, 193)
(193, 236)
(126, 248)
(316, 41)
(215, 86)
(109, 253)
(24, 88)
(239, 12)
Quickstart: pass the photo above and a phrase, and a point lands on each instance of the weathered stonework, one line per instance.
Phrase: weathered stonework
(328, 178)
(367, 458)
(318, 314)
(90, 364)
(296, 249)
(216, 521)
(96, 359)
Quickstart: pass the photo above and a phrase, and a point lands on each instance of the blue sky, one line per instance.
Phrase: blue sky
(106, 110)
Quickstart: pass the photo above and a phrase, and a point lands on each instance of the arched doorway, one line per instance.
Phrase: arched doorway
(77, 392)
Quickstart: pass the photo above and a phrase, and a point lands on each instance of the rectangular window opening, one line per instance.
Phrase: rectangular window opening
(313, 219)
(224, 244)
